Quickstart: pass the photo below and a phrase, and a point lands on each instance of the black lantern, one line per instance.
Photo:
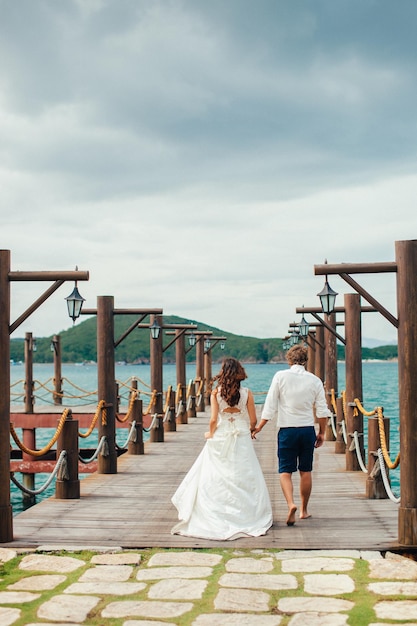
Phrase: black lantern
(155, 329)
(222, 345)
(293, 337)
(191, 339)
(303, 327)
(74, 303)
(207, 344)
(327, 298)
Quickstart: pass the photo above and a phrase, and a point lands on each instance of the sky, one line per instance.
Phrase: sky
(202, 157)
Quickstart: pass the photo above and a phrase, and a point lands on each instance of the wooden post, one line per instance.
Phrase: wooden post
(191, 411)
(330, 367)
(56, 346)
(406, 258)
(171, 424)
(69, 489)
(137, 447)
(199, 372)
(375, 489)
(182, 417)
(208, 376)
(353, 360)
(311, 352)
(319, 361)
(6, 514)
(28, 479)
(29, 343)
(339, 446)
(106, 382)
(156, 353)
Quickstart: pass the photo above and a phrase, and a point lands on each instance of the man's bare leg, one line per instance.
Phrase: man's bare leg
(306, 483)
(287, 489)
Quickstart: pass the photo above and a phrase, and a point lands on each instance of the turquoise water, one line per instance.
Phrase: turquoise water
(380, 388)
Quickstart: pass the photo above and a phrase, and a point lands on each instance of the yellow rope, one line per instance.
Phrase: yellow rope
(99, 408)
(178, 394)
(188, 393)
(48, 445)
(390, 464)
(362, 410)
(152, 402)
(167, 398)
(333, 400)
(343, 396)
(133, 397)
(200, 386)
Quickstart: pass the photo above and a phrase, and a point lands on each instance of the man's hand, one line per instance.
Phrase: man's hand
(319, 440)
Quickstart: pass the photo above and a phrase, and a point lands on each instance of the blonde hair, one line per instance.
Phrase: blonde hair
(297, 355)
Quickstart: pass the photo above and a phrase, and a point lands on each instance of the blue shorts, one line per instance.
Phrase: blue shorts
(296, 449)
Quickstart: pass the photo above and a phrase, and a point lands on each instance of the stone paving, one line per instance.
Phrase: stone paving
(230, 587)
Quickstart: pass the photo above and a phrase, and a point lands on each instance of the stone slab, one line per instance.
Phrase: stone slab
(106, 588)
(394, 569)
(394, 588)
(249, 565)
(178, 589)
(303, 605)
(328, 584)
(6, 554)
(242, 600)
(318, 564)
(17, 597)
(9, 616)
(38, 583)
(67, 608)
(184, 558)
(48, 563)
(146, 608)
(238, 619)
(398, 610)
(259, 581)
(157, 573)
(318, 619)
(123, 558)
(106, 573)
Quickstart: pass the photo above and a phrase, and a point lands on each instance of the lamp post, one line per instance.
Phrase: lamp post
(107, 391)
(209, 344)
(405, 267)
(6, 329)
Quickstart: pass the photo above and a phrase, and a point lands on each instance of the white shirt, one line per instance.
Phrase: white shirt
(294, 397)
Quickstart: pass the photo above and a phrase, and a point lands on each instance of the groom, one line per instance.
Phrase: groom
(295, 398)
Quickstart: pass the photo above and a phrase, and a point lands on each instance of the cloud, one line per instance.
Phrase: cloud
(202, 157)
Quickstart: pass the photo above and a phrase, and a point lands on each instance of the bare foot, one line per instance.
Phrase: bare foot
(304, 515)
(291, 515)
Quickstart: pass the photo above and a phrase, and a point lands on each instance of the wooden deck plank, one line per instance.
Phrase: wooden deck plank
(132, 509)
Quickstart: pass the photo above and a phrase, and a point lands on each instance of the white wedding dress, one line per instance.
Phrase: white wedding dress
(224, 494)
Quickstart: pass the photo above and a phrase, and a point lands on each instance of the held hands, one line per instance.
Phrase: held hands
(255, 431)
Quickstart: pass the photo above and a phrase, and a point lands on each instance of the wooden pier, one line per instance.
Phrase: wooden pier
(132, 509)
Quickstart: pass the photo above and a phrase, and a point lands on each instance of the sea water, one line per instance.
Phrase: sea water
(380, 388)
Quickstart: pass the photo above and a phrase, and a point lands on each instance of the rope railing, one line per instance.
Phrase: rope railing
(385, 479)
(130, 437)
(101, 408)
(356, 446)
(103, 445)
(38, 453)
(383, 440)
(60, 467)
(129, 411)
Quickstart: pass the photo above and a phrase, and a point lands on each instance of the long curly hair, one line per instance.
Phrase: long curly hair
(229, 379)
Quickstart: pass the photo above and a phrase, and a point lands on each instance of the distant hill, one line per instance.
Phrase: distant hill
(79, 344)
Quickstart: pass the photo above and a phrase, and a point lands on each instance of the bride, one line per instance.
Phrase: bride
(224, 494)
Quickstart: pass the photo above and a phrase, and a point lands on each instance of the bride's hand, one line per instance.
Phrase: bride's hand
(208, 435)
